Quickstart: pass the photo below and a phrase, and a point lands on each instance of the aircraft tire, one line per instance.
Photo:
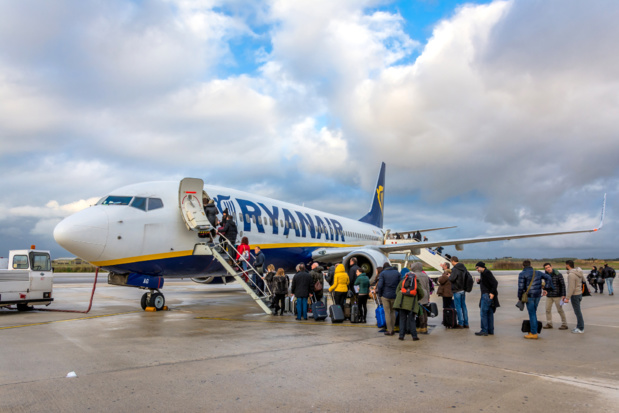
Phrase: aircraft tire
(144, 301)
(157, 300)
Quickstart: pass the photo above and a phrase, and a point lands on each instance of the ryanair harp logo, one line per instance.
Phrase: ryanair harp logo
(379, 195)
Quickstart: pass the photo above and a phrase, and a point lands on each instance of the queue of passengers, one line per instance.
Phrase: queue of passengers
(388, 285)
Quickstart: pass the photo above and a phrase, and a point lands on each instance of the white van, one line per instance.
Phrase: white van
(26, 279)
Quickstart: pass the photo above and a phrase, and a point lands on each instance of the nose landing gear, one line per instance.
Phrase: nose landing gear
(153, 299)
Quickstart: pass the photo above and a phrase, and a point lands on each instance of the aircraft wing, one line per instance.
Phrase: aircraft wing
(458, 243)
(332, 254)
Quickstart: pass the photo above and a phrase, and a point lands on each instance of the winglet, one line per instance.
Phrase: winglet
(375, 216)
(603, 212)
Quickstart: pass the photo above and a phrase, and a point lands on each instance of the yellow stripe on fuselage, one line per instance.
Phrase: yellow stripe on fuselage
(175, 254)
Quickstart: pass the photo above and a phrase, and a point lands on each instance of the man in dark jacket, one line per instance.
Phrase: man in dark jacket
(317, 277)
(352, 276)
(555, 296)
(488, 286)
(388, 282)
(301, 288)
(229, 231)
(608, 275)
(458, 273)
(259, 266)
(529, 277)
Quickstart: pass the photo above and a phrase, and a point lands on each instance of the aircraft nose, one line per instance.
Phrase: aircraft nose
(84, 233)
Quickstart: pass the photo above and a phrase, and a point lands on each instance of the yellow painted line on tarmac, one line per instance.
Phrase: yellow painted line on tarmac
(297, 322)
(70, 319)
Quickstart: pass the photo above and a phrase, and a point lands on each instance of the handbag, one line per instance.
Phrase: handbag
(520, 305)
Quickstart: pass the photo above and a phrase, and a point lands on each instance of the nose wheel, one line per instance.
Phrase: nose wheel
(153, 299)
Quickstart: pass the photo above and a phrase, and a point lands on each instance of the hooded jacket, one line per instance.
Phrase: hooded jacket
(457, 277)
(423, 280)
(340, 280)
(575, 278)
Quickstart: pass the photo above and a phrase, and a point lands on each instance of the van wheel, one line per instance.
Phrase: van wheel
(144, 301)
(24, 307)
(157, 300)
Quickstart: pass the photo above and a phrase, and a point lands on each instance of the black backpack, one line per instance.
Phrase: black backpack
(610, 272)
(468, 282)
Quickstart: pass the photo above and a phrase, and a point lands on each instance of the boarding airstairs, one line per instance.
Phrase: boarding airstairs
(262, 297)
(427, 255)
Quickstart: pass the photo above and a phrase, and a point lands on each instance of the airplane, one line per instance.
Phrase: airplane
(147, 232)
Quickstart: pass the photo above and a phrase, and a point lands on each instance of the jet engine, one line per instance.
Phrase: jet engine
(367, 259)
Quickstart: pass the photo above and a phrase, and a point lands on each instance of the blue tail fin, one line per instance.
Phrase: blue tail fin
(375, 216)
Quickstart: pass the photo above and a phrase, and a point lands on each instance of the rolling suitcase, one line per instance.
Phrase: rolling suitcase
(431, 309)
(450, 317)
(336, 313)
(379, 313)
(287, 304)
(346, 311)
(355, 317)
(319, 310)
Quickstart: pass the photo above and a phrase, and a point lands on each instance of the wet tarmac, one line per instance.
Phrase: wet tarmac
(216, 351)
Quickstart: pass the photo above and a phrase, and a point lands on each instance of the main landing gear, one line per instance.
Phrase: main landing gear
(153, 299)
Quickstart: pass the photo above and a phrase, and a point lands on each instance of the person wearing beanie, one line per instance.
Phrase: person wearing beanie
(489, 301)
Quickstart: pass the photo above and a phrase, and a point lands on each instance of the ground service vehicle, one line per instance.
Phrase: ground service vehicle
(26, 279)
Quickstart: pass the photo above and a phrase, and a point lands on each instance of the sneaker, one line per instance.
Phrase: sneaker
(577, 331)
(531, 336)
(548, 326)
(481, 333)
(466, 326)
(563, 327)
(415, 338)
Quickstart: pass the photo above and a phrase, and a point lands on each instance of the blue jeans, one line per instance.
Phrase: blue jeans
(609, 285)
(487, 315)
(460, 303)
(580, 322)
(532, 309)
(302, 308)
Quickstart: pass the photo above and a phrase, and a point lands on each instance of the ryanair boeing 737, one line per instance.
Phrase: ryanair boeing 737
(146, 232)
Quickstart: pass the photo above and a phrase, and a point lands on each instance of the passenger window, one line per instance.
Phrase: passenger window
(20, 262)
(154, 203)
(139, 203)
(117, 200)
(40, 261)
(247, 218)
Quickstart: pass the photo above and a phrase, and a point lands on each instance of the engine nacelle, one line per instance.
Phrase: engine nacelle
(367, 259)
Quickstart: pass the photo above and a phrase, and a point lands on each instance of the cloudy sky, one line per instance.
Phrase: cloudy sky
(499, 117)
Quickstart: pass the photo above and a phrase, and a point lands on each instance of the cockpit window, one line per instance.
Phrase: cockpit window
(154, 203)
(117, 200)
(139, 203)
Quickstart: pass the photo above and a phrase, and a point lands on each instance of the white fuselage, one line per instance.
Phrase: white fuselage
(124, 238)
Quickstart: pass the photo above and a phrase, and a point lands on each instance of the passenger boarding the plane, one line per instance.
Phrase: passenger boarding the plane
(229, 232)
(242, 255)
(210, 210)
(259, 266)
